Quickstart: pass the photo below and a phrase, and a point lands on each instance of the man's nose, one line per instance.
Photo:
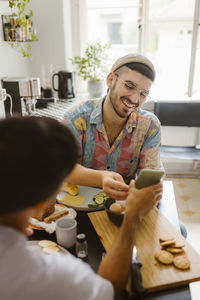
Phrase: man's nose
(135, 97)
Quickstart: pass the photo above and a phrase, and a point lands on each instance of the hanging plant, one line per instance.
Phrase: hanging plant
(20, 27)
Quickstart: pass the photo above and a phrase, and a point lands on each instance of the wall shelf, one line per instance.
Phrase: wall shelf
(14, 33)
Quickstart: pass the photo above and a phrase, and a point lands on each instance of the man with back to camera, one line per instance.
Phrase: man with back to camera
(114, 133)
(36, 156)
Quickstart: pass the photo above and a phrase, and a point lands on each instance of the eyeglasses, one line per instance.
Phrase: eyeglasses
(131, 87)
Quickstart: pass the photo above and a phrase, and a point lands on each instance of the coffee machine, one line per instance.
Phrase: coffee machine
(26, 89)
(66, 84)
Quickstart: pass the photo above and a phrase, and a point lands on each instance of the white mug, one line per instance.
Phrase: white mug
(66, 231)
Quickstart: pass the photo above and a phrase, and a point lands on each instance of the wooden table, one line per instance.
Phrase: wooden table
(95, 248)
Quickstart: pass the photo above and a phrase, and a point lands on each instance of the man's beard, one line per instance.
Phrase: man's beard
(113, 96)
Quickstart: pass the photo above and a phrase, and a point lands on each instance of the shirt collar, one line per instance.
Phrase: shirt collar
(96, 115)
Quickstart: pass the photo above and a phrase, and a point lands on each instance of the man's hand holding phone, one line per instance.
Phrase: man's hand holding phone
(148, 177)
(145, 192)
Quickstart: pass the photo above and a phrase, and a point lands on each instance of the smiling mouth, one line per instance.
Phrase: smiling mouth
(128, 103)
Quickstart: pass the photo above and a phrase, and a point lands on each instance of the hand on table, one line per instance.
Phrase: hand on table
(114, 186)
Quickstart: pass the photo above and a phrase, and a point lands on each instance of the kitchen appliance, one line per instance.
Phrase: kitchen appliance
(26, 89)
(65, 83)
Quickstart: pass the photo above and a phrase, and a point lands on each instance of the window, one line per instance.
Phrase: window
(114, 33)
(114, 22)
(166, 31)
(169, 46)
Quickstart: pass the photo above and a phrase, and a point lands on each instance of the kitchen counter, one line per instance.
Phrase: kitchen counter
(55, 110)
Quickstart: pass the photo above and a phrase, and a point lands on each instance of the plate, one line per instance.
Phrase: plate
(88, 193)
(34, 245)
(40, 225)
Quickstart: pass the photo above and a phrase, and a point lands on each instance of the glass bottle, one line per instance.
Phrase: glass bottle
(81, 246)
(28, 29)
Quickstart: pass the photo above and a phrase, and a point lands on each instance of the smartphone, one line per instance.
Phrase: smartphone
(148, 177)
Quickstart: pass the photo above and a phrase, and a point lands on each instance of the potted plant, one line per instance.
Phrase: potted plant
(93, 67)
(21, 26)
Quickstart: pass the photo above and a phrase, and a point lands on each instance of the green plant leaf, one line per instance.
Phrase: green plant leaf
(12, 45)
(33, 37)
(93, 65)
(12, 4)
(28, 46)
(30, 14)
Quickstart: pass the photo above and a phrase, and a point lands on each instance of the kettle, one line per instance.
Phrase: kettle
(65, 84)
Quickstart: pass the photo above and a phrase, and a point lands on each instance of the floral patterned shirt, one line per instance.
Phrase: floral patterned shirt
(137, 146)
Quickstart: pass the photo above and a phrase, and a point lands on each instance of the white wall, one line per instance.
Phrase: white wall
(11, 62)
(52, 21)
(53, 24)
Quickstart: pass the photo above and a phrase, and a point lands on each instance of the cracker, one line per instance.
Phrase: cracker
(50, 249)
(174, 250)
(46, 243)
(167, 243)
(181, 262)
(166, 237)
(164, 257)
(178, 245)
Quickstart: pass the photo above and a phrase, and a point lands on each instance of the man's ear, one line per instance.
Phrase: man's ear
(109, 79)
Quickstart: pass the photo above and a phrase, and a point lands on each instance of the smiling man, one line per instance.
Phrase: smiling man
(116, 137)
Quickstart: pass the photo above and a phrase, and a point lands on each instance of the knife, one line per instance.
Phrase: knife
(136, 278)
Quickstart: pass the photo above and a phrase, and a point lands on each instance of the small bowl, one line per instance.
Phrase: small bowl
(114, 217)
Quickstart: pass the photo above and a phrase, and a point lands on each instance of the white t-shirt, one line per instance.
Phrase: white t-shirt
(29, 275)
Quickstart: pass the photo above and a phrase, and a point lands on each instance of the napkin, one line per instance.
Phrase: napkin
(51, 227)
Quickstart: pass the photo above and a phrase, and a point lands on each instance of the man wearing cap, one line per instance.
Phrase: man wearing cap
(116, 137)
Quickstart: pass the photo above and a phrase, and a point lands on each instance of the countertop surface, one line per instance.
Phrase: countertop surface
(55, 109)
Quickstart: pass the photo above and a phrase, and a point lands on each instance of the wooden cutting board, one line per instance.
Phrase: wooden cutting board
(155, 276)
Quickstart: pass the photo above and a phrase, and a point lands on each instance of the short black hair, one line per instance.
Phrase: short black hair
(36, 154)
(142, 69)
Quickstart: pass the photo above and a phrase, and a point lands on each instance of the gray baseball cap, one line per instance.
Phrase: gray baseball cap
(132, 58)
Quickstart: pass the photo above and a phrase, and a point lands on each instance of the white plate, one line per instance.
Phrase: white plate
(41, 225)
(34, 245)
(88, 193)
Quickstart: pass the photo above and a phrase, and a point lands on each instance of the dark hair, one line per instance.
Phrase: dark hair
(141, 68)
(36, 154)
